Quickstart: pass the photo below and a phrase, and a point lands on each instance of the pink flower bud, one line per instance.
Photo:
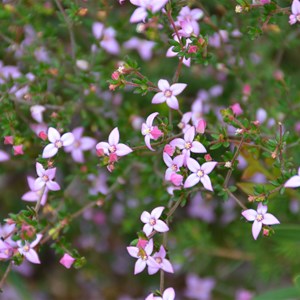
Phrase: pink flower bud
(201, 126)
(8, 140)
(176, 179)
(100, 152)
(207, 157)
(236, 108)
(278, 75)
(193, 49)
(113, 157)
(115, 75)
(18, 150)
(247, 90)
(110, 167)
(43, 135)
(67, 261)
(169, 149)
(156, 133)
(142, 243)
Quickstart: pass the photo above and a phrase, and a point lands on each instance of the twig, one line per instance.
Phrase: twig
(8, 269)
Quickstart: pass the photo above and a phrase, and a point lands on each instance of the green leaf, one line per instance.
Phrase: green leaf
(290, 293)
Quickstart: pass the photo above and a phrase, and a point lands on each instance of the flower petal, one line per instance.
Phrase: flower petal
(262, 209)
(32, 256)
(87, 143)
(156, 212)
(178, 142)
(39, 184)
(249, 214)
(161, 226)
(133, 251)
(206, 183)
(158, 98)
(147, 229)
(197, 147)
(147, 142)
(177, 88)
(256, 228)
(123, 149)
(192, 180)
(150, 119)
(293, 182)
(140, 14)
(145, 217)
(114, 137)
(77, 132)
(139, 267)
(208, 166)
(193, 165)
(53, 135)
(39, 169)
(169, 294)
(269, 219)
(67, 139)
(190, 135)
(49, 151)
(52, 185)
(173, 102)
(167, 266)
(163, 84)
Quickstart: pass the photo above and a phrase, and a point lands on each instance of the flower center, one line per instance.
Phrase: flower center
(152, 222)
(259, 217)
(181, 125)
(147, 131)
(200, 173)
(112, 149)
(168, 93)
(158, 260)
(45, 178)
(174, 167)
(26, 248)
(188, 146)
(58, 144)
(142, 254)
(298, 17)
(77, 144)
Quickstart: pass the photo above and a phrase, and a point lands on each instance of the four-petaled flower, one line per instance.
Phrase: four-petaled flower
(34, 194)
(150, 131)
(173, 164)
(188, 145)
(295, 16)
(80, 144)
(200, 173)
(294, 181)
(152, 221)
(162, 262)
(45, 178)
(67, 260)
(143, 256)
(169, 294)
(57, 142)
(27, 249)
(260, 218)
(168, 93)
(113, 147)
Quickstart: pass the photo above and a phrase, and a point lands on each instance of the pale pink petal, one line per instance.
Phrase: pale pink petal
(163, 85)
(262, 209)
(52, 185)
(44, 197)
(293, 182)
(156, 212)
(192, 180)
(167, 159)
(123, 149)
(36, 241)
(87, 143)
(97, 29)
(296, 7)
(197, 147)
(190, 135)
(77, 132)
(152, 263)
(166, 266)
(49, 151)
(177, 88)
(169, 294)
(140, 14)
(30, 196)
(139, 267)
(53, 135)
(256, 228)
(168, 174)
(133, 251)
(152, 270)
(206, 182)
(149, 247)
(39, 184)
(30, 181)
(208, 166)
(193, 165)
(147, 142)
(67, 139)
(172, 102)
(114, 137)
(50, 173)
(4, 156)
(161, 226)
(158, 98)
(103, 145)
(178, 160)
(77, 155)
(150, 119)
(158, 5)
(147, 228)
(32, 256)
(170, 52)
(249, 214)
(39, 169)
(145, 217)
(179, 143)
(136, 2)
(269, 219)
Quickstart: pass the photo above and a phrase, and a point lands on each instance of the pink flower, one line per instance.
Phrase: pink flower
(167, 93)
(57, 142)
(171, 53)
(169, 294)
(34, 194)
(6, 250)
(185, 120)
(67, 260)
(45, 178)
(152, 221)
(176, 179)
(259, 217)
(150, 131)
(18, 150)
(188, 145)
(236, 108)
(173, 165)
(37, 112)
(140, 14)
(162, 262)
(8, 140)
(199, 288)
(295, 16)
(113, 145)
(200, 173)
(143, 256)
(169, 150)
(294, 181)
(143, 47)
(80, 144)
(26, 249)
(190, 16)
